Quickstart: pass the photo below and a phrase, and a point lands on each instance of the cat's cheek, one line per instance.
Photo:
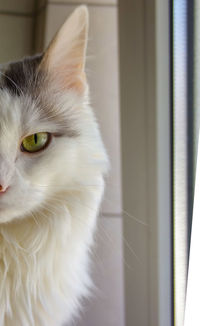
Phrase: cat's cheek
(19, 200)
(56, 168)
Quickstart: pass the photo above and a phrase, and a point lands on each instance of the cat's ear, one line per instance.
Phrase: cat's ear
(64, 59)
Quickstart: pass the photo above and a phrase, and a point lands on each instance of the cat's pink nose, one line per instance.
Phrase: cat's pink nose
(3, 189)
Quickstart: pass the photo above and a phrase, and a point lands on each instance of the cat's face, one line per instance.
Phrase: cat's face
(46, 94)
(32, 177)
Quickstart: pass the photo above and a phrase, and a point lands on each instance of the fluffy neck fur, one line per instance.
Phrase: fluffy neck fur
(44, 260)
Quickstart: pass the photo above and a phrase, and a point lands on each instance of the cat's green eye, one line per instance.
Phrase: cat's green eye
(36, 142)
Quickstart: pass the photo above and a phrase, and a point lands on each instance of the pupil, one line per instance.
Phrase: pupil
(35, 138)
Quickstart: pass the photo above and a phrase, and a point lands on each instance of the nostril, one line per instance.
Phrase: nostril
(3, 189)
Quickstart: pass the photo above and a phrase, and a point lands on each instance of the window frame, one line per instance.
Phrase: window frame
(144, 30)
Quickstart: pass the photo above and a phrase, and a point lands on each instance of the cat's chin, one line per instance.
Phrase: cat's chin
(10, 214)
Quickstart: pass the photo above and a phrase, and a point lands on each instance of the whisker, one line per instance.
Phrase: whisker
(129, 215)
(34, 218)
(12, 81)
(123, 211)
(124, 240)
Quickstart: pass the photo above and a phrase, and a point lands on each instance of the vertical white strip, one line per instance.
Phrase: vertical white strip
(180, 157)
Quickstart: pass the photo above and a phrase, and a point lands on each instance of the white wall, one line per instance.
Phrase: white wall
(16, 29)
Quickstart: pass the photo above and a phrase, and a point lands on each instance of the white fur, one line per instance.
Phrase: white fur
(50, 210)
(48, 215)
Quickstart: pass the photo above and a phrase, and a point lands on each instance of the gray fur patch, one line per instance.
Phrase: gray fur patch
(23, 79)
(20, 77)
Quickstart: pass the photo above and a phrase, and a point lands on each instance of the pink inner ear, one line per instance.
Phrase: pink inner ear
(71, 78)
(78, 83)
(78, 86)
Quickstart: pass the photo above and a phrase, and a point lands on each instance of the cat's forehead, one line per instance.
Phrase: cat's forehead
(16, 112)
(21, 77)
(24, 115)
(29, 104)
(17, 90)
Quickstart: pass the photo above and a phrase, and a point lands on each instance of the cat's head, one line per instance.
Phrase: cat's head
(49, 140)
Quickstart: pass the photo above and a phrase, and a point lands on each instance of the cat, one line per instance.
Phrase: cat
(52, 168)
